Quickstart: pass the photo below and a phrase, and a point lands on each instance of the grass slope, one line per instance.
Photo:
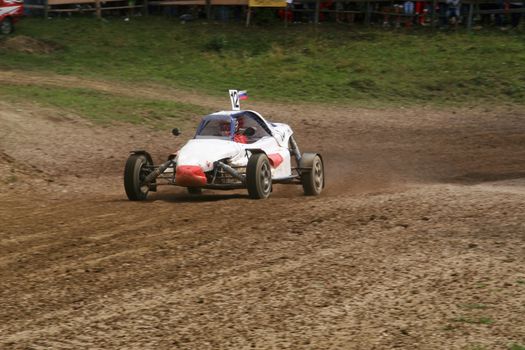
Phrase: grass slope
(359, 66)
(104, 108)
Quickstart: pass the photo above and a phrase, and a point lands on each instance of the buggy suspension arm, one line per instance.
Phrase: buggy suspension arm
(230, 171)
(155, 173)
(295, 149)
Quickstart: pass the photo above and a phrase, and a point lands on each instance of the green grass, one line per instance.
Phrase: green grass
(476, 347)
(103, 107)
(483, 347)
(474, 306)
(367, 67)
(11, 179)
(481, 320)
(449, 327)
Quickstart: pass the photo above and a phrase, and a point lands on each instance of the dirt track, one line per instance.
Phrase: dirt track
(417, 243)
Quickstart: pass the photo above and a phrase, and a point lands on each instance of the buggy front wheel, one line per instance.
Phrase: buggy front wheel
(136, 169)
(259, 176)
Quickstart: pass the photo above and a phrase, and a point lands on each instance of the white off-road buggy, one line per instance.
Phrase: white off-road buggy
(231, 150)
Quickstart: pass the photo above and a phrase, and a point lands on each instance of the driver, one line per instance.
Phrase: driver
(239, 135)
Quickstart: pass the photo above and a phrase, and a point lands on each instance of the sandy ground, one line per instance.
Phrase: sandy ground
(418, 241)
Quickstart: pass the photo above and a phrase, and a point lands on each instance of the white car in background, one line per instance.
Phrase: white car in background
(230, 150)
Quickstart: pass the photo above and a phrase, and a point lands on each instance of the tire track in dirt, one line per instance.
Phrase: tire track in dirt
(359, 244)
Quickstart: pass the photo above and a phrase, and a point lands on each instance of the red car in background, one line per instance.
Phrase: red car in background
(10, 12)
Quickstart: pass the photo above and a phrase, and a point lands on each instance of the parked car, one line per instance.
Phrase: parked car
(10, 12)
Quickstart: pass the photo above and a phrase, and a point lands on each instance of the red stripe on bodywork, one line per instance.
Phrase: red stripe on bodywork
(275, 159)
(190, 175)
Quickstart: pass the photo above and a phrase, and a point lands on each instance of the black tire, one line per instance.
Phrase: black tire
(259, 176)
(313, 180)
(194, 190)
(134, 174)
(6, 26)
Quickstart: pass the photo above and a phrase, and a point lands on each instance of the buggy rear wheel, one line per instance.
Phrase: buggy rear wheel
(135, 171)
(259, 176)
(313, 180)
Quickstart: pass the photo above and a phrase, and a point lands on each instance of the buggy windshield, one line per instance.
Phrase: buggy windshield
(216, 127)
(232, 127)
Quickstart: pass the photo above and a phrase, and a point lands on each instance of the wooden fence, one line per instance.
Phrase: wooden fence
(367, 8)
(84, 6)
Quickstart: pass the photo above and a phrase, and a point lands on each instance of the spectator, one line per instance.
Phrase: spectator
(324, 5)
(131, 8)
(453, 12)
(515, 17)
(408, 9)
(486, 18)
(421, 12)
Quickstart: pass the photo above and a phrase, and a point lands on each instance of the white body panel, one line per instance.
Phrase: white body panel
(204, 152)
